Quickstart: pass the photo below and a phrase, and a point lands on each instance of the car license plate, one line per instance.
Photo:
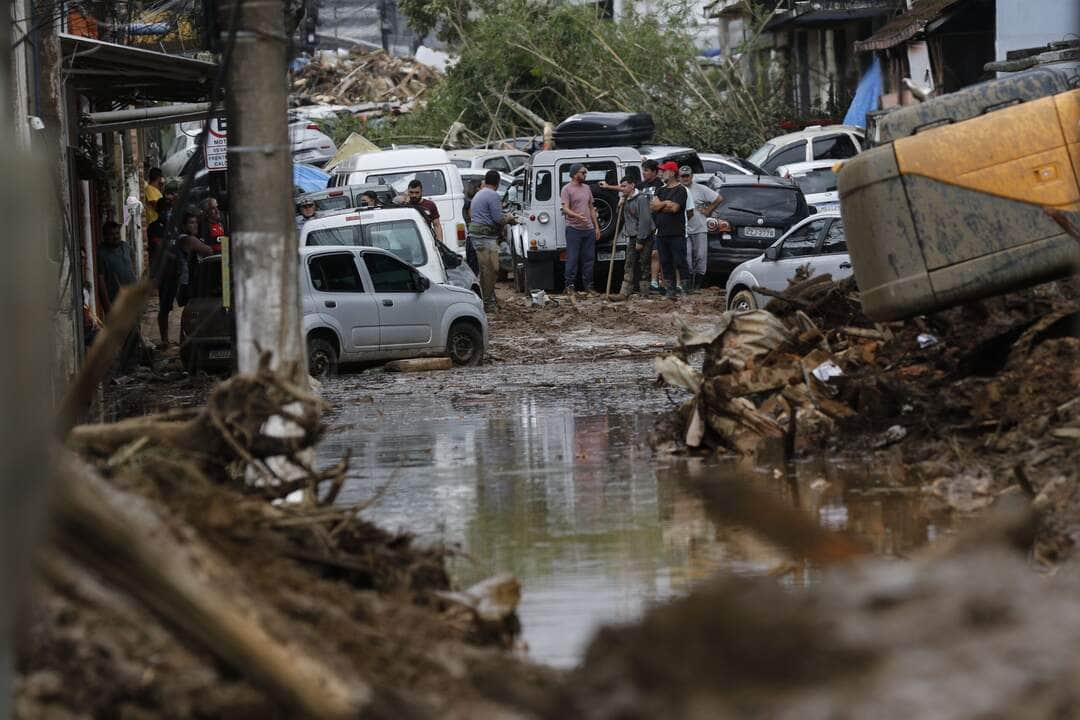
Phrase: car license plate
(219, 354)
(759, 232)
(606, 256)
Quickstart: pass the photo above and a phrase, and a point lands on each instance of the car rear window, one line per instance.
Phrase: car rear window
(817, 181)
(400, 237)
(336, 202)
(433, 180)
(771, 201)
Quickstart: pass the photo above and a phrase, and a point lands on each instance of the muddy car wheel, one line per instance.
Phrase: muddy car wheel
(322, 358)
(465, 344)
(743, 300)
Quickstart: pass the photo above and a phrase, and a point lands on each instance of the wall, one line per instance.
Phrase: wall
(1032, 23)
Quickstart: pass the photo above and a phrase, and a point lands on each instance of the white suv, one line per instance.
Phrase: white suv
(817, 142)
(363, 304)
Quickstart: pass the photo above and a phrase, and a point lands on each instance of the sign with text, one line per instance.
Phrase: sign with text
(217, 145)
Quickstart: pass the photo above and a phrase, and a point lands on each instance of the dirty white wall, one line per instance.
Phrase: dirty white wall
(1032, 23)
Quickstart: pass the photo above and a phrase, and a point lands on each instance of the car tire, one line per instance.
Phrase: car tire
(322, 358)
(743, 300)
(465, 344)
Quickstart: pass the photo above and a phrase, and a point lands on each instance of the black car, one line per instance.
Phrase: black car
(757, 209)
(206, 326)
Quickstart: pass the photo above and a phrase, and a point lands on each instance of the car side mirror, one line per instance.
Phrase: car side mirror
(422, 283)
(772, 253)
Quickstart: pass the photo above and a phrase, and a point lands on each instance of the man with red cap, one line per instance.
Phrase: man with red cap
(669, 209)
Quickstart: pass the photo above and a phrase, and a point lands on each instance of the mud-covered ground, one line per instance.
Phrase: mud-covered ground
(990, 413)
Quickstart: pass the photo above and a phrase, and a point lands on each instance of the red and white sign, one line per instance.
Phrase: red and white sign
(217, 145)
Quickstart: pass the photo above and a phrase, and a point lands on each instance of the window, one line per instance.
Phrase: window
(761, 154)
(335, 273)
(516, 161)
(834, 147)
(463, 163)
(597, 171)
(822, 180)
(776, 203)
(332, 202)
(835, 241)
(803, 241)
(543, 185)
(791, 154)
(344, 235)
(433, 181)
(401, 237)
(497, 163)
(389, 275)
(714, 166)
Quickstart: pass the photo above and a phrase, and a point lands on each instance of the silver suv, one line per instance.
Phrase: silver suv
(363, 304)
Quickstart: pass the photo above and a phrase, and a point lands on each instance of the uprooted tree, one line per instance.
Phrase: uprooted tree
(531, 59)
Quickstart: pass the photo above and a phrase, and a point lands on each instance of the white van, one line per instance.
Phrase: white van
(538, 243)
(397, 168)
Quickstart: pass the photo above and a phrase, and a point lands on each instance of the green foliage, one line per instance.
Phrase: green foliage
(557, 59)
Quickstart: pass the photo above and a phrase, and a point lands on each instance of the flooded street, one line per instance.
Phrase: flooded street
(544, 471)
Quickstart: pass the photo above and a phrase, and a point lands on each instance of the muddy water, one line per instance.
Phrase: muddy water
(543, 471)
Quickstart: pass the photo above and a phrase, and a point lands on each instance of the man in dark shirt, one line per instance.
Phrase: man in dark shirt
(669, 213)
(427, 208)
(650, 183)
(115, 269)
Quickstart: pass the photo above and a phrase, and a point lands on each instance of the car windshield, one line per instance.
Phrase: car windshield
(433, 181)
(822, 180)
(761, 154)
(400, 237)
(773, 202)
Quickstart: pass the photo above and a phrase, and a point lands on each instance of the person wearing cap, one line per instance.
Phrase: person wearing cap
(305, 210)
(669, 208)
(702, 199)
(582, 228)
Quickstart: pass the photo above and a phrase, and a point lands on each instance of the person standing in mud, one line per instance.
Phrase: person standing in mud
(582, 228)
(650, 183)
(637, 230)
(486, 223)
(116, 270)
(669, 208)
(702, 200)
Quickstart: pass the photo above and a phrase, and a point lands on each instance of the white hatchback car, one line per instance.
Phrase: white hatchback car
(363, 304)
(817, 142)
(817, 181)
(817, 242)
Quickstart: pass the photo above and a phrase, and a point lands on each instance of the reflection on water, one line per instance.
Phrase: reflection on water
(544, 472)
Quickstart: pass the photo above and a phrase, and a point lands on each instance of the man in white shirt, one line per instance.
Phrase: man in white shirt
(702, 200)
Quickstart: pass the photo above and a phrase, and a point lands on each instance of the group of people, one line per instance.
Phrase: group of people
(662, 220)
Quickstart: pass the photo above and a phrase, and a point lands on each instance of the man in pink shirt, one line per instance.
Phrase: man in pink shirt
(582, 229)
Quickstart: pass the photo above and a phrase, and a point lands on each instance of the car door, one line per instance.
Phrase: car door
(339, 293)
(797, 249)
(833, 255)
(407, 316)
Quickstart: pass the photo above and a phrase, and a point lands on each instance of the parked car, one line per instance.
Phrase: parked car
(817, 181)
(817, 142)
(363, 304)
(309, 143)
(672, 153)
(505, 161)
(396, 168)
(755, 212)
(712, 164)
(818, 243)
(180, 150)
(398, 229)
(206, 326)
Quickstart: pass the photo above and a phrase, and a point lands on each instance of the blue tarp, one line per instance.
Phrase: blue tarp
(866, 95)
(309, 177)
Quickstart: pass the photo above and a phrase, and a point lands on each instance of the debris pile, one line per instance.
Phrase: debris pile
(973, 401)
(367, 83)
(198, 566)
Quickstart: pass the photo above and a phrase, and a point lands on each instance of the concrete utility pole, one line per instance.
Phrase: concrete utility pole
(263, 244)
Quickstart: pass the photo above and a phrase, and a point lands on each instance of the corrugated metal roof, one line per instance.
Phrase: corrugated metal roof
(906, 26)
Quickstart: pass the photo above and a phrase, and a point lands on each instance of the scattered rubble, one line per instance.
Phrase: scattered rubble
(976, 399)
(367, 84)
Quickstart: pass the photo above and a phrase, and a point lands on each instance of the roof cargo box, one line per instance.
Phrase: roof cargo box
(604, 129)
